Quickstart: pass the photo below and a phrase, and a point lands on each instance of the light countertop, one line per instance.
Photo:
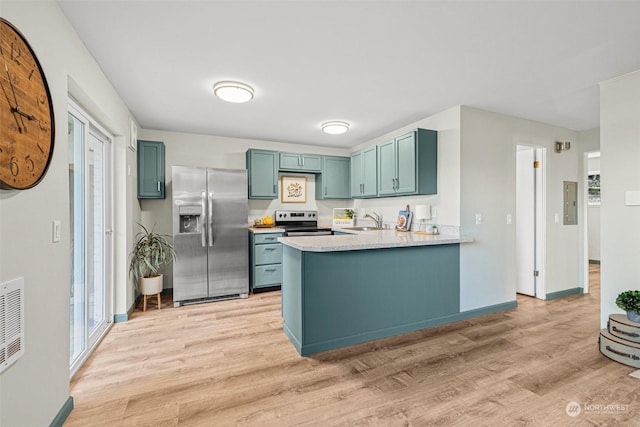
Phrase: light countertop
(361, 240)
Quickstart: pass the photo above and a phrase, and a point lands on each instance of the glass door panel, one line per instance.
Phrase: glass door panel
(76, 199)
(90, 210)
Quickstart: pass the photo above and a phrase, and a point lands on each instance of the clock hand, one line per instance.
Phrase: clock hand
(15, 98)
(9, 102)
(23, 114)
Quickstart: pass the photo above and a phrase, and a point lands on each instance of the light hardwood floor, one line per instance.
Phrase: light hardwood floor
(229, 363)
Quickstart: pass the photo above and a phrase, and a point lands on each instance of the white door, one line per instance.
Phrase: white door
(91, 235)
(529, 221)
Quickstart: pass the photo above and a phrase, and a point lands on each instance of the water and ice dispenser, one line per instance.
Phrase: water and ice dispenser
(190, 219)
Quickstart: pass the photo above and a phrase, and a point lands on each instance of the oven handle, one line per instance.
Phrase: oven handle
(308, 233)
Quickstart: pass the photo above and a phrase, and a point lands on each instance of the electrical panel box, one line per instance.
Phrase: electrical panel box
(570, 202)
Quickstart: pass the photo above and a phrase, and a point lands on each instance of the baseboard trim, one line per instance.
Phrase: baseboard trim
(123, 317)
(63, 413)
(565, 293)
(317, 347)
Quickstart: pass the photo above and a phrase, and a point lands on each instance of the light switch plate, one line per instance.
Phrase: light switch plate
(55, 226)
(509, 219)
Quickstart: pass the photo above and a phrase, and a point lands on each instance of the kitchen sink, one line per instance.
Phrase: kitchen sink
(363, 228)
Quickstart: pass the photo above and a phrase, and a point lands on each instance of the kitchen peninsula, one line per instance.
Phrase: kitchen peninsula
(346, 289)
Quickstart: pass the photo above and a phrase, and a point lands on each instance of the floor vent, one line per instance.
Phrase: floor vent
(11, 322)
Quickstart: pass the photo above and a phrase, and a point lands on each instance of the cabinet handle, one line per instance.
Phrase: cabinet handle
(361, 188)
(274, 188)
(269, 249)
(270, 269)
(269, 238)
(302, 158)
(325, 191)
(158, 185)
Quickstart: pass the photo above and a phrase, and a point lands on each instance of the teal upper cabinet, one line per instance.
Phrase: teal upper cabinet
(333, 182)
(150, 169)
(262, 169)
(300, 162)
(409, 164)
(364, 165)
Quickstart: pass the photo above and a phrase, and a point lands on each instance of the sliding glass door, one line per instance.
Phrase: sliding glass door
(91, 234)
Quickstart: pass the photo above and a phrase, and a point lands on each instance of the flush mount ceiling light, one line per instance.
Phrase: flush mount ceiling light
(233, 91)
(335, 128)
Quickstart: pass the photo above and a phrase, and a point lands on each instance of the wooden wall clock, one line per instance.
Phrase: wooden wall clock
(26, 113)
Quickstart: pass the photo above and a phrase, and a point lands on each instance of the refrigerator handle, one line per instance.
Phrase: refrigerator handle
(204, 238)
(210, 219)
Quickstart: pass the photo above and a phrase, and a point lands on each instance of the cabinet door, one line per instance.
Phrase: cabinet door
(151, 170)
(311, 163)
(290, 161)
(370, 171)
(406, 164)
(335, 178)
(356, 174)
(300, 162)
(387, 168)
(263, 174)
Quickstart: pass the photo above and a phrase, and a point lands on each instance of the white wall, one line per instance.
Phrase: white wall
(487, 186)
(620, 171)
(36, 386)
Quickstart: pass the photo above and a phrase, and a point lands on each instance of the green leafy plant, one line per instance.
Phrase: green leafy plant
(629, 301)
(349, 213)
(150, 251)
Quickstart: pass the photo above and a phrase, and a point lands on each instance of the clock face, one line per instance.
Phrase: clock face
(26, 113)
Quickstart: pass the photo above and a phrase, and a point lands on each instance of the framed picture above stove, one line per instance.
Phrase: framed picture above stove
(294, 189)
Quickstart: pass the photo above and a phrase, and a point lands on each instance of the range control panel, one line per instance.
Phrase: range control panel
(296, 216)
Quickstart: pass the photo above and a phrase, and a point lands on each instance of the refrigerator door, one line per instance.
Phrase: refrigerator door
(228, 237)
(189, 232)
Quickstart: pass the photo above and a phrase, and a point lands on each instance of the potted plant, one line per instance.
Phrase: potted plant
(150, 251)
(630, 302)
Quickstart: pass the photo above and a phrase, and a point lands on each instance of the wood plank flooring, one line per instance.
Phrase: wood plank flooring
(229, 363)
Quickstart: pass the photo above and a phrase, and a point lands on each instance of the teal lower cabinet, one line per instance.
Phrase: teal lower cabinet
(335, 299)
(265, 260)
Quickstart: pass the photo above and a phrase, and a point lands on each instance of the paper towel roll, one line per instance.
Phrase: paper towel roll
(422, 212)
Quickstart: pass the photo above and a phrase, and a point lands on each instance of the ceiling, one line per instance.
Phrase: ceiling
(378, 65)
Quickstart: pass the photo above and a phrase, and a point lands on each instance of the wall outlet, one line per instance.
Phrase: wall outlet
(509, 219)
(478, 219)
(556, 218)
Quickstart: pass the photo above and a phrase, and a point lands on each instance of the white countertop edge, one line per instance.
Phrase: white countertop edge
(369, 240)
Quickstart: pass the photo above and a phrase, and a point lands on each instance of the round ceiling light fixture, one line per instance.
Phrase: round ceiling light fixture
(233, 91)
(335, 127)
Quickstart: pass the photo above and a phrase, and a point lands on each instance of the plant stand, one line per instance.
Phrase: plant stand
(144, 301)
(149, 287)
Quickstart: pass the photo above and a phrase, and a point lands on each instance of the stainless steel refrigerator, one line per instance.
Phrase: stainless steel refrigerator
(210, 219)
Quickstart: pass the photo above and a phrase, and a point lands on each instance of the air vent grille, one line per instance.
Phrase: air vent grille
(11, 322)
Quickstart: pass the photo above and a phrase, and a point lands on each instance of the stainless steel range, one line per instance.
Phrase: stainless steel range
(300, 223)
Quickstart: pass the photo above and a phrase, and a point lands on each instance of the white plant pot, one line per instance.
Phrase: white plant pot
(151, 285)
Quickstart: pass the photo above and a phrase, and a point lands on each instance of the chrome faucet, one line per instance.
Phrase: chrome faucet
(377, 219)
